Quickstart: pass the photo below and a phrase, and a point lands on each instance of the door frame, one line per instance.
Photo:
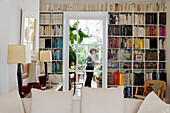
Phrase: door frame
(89, 16)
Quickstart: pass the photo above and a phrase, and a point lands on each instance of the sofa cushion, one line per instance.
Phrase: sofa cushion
(27, 104)
(132, 105)
(153, 104)
(51, 101)
(102, 100)
(11, 103)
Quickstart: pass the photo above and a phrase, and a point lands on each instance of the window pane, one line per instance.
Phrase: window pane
(72, 57)
(84, 52)
(72, 31)
(90, 31)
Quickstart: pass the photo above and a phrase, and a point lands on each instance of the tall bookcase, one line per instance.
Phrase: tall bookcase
(51, 38)
(136, 48)
(136, 40)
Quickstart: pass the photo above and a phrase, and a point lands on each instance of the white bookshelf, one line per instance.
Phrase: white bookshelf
(132, 69)
(132, 12)
(51, 37)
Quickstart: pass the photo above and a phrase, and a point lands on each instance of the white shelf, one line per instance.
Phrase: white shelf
(111, 36)
(51, 24)
(51, 36)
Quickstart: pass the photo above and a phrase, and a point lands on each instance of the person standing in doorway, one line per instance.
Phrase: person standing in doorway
(90, 66)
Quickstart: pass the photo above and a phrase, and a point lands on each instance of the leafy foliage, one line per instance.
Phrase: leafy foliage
(73, 39)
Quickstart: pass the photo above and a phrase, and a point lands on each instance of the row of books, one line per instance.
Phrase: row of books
(57, 54)
(162, 31)
(137, 65)
(112, 65)
(155, 76)
(126, 55)
(151, 31)
(125, 19)
(51, 30)
(161, 65)
(113, 43)
(57, 43)
(119, 78)
(139, 43)
(57, 67)
(51, 18)
(151, 18)
(162, 18)
(104, 7)
(114, 18)
(139, 19)
(136, 7)
(44, 43)
(123, 30)
(139, 31)
(128, 92)
(162, 44)
(162, 55)
(126, 43)
(119, 54)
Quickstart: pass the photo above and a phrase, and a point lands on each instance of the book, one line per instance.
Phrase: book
(41, 43)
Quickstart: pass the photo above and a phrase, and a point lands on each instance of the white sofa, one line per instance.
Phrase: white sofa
(130, 105)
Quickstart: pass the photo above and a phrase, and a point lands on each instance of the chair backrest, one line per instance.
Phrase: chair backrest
(157, 82)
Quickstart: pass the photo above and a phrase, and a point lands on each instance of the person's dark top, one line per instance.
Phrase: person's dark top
(89, 61)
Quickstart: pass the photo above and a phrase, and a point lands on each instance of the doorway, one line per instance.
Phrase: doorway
(84, 31)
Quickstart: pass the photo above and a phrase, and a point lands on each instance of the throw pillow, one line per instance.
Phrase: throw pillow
(11, 103)
(51, 101)
(102, 100)
(153, 104)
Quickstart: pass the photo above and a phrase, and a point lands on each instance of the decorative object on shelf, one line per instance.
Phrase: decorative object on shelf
(45, 56)
(28, 30)
(138, 57)
(19, 54)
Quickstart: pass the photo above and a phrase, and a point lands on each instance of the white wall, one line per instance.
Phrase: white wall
(4, 11)
(10, 34)
(168, 52)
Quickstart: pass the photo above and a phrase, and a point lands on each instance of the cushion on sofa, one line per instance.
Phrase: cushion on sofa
(11, 103)
(27, 104)
(153, 104)
(51, 101)
(102, 100)
(132, 105)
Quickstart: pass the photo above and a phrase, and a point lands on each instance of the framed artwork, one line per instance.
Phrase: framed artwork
(25, 68)
(138, 57)
(28, 30)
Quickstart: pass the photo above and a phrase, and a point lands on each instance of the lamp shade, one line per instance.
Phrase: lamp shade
(45, 56)
(19, 54)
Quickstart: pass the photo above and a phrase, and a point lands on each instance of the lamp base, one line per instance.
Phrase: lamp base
(19, 76)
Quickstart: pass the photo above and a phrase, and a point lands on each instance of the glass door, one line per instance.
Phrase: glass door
(86, 54)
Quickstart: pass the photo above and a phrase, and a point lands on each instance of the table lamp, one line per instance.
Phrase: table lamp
(45, 56)
(19, 54)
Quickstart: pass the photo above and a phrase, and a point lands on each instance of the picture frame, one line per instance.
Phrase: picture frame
(138, 57)
(28, 35)
(25, 68)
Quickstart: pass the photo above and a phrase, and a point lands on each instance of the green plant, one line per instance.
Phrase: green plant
(72, 39)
